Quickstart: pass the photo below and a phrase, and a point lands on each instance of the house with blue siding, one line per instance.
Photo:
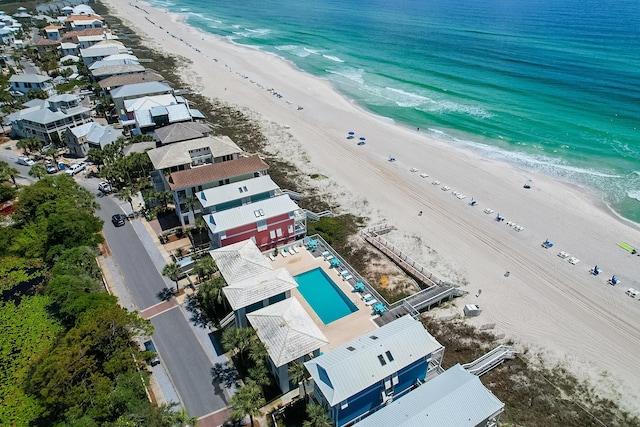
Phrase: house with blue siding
(361, 376)
(232, 196)
(455, 398)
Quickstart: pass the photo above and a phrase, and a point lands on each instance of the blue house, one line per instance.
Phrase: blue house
(455, 398)
(361, 376)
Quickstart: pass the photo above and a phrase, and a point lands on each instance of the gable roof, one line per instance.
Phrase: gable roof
(111, 70)
(240, 261)
(216, 172)
(235, 191)
(251, 213)
(172, 155)
(140, 89)
(182, 132)
(287, 331)
(454, 398)
(355, 366)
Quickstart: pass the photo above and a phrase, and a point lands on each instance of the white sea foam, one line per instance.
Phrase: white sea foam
(349, 73)
(332, 58)
(258, 31)
(311, 51)
(406, 99)
(296, 50)
(634, 194)
(444, 106)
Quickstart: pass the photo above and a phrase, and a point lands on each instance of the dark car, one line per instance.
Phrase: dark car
(118, 220)
(148, 346)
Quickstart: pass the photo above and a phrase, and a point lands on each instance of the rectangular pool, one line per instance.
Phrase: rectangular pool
(324, 296)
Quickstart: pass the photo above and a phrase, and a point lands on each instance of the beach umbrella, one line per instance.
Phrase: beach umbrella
(352, 133)
(362, 138)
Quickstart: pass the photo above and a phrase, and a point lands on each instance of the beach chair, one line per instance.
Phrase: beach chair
(325, 254)
(366, 297)
(573, 260)
(370, 302)
(347, 277)
(329, 258)
(283, 253)
(273, 258)
(293, 250)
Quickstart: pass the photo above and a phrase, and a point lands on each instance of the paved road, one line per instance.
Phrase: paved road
(188, 363)
(183, 354)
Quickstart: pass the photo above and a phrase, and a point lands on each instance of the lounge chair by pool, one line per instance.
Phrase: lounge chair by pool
(370, 302)
(283, 253)
(347, 277)
(273, 258)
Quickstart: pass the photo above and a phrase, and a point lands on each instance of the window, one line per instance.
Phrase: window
(373, 337)
(351, 348)
(290, 229)
(262, 225)
(223, 235)
(272, 234)
(185, 219)
(279, 232)
(256, 174)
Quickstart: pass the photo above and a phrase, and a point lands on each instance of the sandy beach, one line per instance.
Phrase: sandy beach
(546, 304)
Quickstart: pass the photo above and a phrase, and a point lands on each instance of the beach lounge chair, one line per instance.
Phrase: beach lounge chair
(573, 260)
(370, 302)
(413, 170)
(273, 258)
(461, 196)
(292, 249)
(325, 254)
(283, 253)
(347, 277)
(445, 188)
(329, 258)
(436, 182)
(563, 254)
(366, 297)
(424, 175)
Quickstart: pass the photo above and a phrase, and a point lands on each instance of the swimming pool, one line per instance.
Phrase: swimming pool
(324, 296)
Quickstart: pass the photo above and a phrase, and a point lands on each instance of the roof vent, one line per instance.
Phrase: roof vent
(381, 359)
(351, 348)
(373, 337)
(389, 356)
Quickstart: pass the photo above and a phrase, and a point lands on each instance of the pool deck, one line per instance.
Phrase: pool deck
(342, 330)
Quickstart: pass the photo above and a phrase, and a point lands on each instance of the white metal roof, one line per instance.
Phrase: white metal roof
(240, 260)
(454, 398)
(287, 331)
(356, 365)
(236, 190)
(258, 288)
(250, 214)
(29, 78)
(140, 89)
(96, 51)
(147, 102)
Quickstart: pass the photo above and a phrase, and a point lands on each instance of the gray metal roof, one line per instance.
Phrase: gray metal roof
(354, 366)
(454, 398)
(287, 331)
(29, 78)
(95, 51)
(250, 214)
(96, 133)
(235, 191)
(240, 260)
(258, 288)
(112, 70)
(172, 155)
(140, 89)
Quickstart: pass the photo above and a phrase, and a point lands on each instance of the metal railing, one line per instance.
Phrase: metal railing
(315, 216)
(490, 360)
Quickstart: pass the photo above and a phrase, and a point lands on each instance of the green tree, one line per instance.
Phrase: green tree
(238, 341)
(173, 272)
(247, 401)
(29, 145)
(8, 173)
(164, 197)
(51, 151)
(317, 416)
(126, 193)
(298, 374)
(37, 171)
(204, 268)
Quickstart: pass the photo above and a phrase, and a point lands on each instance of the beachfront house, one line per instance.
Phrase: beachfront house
(83, 22)
(223, 197)
(107, 71)
(119, 80)
(87, 38)
(23, 83)
(142, 115)
(269, 223)
(118, 59)
(102, 50)
(363, 375)
(49, 119)
(289, 334)
(252, 283)
(182, 131)
(455, 398)
(137, 90)
(81, 139)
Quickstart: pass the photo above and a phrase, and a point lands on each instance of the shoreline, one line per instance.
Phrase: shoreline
(546, 303)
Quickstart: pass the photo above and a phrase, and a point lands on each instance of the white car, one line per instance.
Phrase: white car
(74, 169)
(25, 161)
(104, 187)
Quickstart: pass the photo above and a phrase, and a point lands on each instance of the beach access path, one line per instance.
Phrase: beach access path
(546, 304)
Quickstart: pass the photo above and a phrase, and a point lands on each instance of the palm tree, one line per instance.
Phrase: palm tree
(37, 171)
(204, 268)
(29, 145)
(173, 272)
(125, 193)
(164, 197)
(7, 172)
(298, 374)
(238, 340)
(317, 416)
(51, 151)
(247, 401)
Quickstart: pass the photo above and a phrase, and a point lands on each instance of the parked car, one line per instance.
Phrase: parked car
(105, 187)
(148, 346)
(51, 168)
(74, 169)
(25, 161)
(118, 220)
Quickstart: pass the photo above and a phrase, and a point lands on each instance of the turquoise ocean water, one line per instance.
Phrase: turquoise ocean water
(551, 86)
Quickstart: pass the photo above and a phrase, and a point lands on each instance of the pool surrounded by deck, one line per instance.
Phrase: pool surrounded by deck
(324, 296)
